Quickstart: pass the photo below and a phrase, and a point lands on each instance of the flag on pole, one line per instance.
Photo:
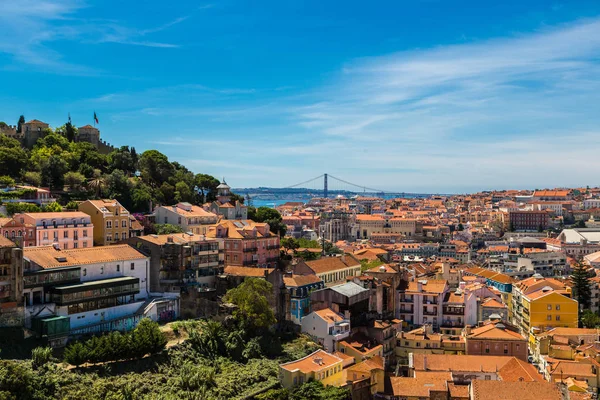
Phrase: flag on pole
(95, 118)
(69, 117)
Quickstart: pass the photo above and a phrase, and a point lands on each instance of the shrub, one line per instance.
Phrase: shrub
(40, 356)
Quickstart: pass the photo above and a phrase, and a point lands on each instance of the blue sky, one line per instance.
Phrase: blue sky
(426, 96)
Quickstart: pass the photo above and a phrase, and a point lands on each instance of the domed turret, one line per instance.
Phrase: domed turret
(223, 192)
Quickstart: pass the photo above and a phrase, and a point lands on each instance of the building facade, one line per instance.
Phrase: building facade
(110, 219)
(67, 230)
(189, 217)
(247, 243)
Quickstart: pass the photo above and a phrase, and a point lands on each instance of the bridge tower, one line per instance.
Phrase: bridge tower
(325, 190)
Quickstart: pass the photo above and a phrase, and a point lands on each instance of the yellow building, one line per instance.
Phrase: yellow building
(543, 303)
(110, 219)
(318, 366)
(423, 341)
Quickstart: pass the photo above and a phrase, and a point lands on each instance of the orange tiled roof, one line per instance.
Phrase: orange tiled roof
(247, 271)
(300, 280)
(328, 264)
(4, 242)
(431, 285)
(180, 238)
(48, 256)
(313, 362)
(501, 390)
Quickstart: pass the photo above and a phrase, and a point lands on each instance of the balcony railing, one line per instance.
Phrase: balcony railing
(250, 249)
(406, 300)
(406, 310)
(273, 247)
(429, 312)
(452, 324)
(272, 259)
(453, 312)
(249, 262)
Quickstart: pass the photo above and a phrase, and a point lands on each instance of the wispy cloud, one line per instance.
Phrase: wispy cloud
(31, 26)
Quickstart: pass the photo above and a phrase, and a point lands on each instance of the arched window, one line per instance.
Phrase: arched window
(19, 233)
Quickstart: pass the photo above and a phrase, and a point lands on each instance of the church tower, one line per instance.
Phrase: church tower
(223, 192)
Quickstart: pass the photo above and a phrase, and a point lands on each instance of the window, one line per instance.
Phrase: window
(505, 349)
(124, 223)
(75, 245)
(558, 317)
(108, 238)
(132, 266)
(102, 270)
(66, 234)
(118, 268)
(549, 306)
(84, 244)
(557, 307)
(109, 224)
(116, 236)
(84, 271)
(487, 348)
(548, 317)
(85, 233)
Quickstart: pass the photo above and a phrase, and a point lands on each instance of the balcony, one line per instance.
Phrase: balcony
(248, 263)
(250, 249)
(452, 324)
(273, 247)
(429, 312)
(272, 259)
(450, 311)
(340, 336)
(404, 310)
(406, 300)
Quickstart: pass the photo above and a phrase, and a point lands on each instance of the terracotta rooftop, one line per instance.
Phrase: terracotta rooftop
(313, 362)
(4, 242)
(179, 238)
(421, 385)
(327, 314)
(495, 332)
(462, 363)
(428, 285)
(48, 256)
(500, 390)
(247, 271)
(300, 280)
(329, 264)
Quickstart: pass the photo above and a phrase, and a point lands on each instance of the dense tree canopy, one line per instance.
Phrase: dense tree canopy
(78, 171)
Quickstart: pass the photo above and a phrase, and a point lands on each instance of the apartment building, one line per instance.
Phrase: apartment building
(540, 303)
(67, 230)
(421, 302)
(110, 219)
(326, 327)
(181, 260)
(527, 220)
(247, 243)
(459, 309)
(300, 287)
(92, 289)
(319, 366)
(11, 284)
(224, 207)
(424, 341)
(369, 225)
(332, 270)
(21, 233)
(495, 338)
(187, 216)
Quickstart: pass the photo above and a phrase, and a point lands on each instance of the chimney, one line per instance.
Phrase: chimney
(419, 286)
(56, 246)
(170, 239)
(462, 285)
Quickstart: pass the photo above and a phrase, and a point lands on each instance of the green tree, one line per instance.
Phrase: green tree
(315, 390)
(155, 168)
(13, 158)
(76, 354)
(252, 213)
(289, 243)
(367, 265)
(147, 337)
(40, 356)
(20, 124)
(207, 186)
(97, 184)
(6, 181)
(582, 292)
(118, 186)
(590, 319)
(252, 300)
(72, 205)
(14, 208)
(52, 207)
(122, 159)
(74, 180)
(164, 229)
(33, 178)
(54, 172)
(141, 197)
(209, 339)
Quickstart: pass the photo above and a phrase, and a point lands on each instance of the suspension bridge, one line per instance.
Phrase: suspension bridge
(324, 185)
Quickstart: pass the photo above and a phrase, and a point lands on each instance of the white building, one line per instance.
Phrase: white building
(326, 327)
(97, 288)
(189, 217)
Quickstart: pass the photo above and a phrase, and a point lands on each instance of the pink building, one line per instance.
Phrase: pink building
(247, 243)
(68, 230)
(495, 338)
(21, 233)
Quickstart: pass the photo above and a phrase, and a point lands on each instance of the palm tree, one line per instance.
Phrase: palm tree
(97, 183)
